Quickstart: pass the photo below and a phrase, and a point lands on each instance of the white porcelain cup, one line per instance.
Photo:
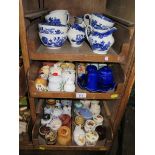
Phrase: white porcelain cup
(98, 21)
(58, 17)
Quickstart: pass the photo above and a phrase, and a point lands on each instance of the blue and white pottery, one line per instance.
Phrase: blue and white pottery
(79, 20)
(57, 17)
(76, 35)
(100, 40)
(53, 41)
(98, 21)
(50, 29)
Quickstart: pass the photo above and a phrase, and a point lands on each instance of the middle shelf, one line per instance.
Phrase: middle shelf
(79, 93)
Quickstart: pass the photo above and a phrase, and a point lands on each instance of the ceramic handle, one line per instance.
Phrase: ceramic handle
(67, 18)
(88, 33)
(87, 19)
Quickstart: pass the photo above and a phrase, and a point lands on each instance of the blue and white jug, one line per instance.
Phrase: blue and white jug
(100, 40)
(76, 35)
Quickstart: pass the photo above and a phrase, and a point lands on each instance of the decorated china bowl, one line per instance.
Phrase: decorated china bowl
(53, 41)
(50, 29)
(91, 138)
(98, 21)
(89, 125)
(57, 17)
(76, 35)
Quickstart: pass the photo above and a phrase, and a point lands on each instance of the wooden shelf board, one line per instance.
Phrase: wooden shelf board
(69, 53)
(71, 95)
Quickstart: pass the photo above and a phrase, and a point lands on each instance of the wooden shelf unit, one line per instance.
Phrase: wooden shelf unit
(121, 53)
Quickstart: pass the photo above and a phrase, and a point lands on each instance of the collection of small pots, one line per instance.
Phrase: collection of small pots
(56, 122)
(56, 77)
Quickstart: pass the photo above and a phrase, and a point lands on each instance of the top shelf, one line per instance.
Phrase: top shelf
(69, 53)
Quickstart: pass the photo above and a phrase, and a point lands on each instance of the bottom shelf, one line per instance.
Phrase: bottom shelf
(102, 145)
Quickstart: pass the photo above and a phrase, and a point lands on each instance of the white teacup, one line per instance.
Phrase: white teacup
(58, 17)
(98, 21)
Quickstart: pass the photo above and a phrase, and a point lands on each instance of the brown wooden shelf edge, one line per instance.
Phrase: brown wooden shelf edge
(73, 95)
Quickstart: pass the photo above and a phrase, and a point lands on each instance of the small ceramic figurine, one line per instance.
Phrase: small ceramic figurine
(68, 74)
(69, 86)
(41, 84)
(79, 136)
(91, 138)
(66, 65)
(44, 72)
(56, 70)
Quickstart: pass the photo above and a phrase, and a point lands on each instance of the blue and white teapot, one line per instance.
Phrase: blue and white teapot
(100, 39)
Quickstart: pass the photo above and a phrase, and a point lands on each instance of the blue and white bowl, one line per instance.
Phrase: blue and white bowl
(76, 35)
(53, 41)
(50, 29)
(98, 21)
